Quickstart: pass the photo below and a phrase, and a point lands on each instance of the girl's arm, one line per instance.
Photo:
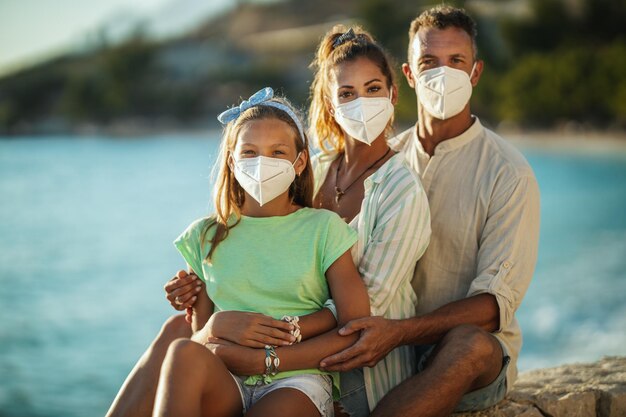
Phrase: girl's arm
(347, 290)
(257, 330)
(351, 298)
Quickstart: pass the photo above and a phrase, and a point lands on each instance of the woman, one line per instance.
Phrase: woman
(362, 180)
(358, 177)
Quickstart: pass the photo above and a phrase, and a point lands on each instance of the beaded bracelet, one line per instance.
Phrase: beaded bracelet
(293, 320)
(272, 362)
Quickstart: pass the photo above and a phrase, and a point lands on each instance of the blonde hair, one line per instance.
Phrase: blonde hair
(228, 195)
(330, 52)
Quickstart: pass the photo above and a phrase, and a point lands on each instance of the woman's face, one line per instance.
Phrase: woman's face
(358, 78)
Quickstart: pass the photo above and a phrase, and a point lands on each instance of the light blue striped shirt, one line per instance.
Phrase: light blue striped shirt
(393, 229)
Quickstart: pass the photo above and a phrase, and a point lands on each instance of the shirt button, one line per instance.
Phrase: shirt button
(506, 264)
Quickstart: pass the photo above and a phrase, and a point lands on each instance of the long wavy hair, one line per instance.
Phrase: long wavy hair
(329, 135)
(229, 196)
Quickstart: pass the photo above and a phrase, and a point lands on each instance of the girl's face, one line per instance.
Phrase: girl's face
(271, 138)
(358, 78)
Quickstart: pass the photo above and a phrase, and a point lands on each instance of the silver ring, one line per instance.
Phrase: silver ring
(177, 301)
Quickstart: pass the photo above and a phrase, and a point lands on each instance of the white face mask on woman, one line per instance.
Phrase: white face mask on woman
(364, 118)
(444, 91)
(264, 178)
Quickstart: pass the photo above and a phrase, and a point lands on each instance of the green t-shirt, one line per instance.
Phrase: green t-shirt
(270, 265)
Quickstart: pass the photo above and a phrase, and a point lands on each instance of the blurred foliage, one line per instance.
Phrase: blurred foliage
(581, 84)
(567, 64)
(126, 82)
(564, 61)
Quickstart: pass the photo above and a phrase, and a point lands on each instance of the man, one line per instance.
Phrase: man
(484, 203)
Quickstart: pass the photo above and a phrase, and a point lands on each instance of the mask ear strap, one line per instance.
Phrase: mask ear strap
(472, 71)
(296, 160)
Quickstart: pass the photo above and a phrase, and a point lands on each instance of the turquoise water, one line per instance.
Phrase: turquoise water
(86, 227)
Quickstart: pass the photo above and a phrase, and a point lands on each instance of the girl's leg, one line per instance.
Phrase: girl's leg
(136, 397)
(194, 382)
(284, 402)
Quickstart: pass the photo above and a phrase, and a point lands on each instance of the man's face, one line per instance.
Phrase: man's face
(432, 48)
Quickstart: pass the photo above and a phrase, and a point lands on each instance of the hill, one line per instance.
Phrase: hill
(549, 63)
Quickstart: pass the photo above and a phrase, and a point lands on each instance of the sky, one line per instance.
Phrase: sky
(31, 30)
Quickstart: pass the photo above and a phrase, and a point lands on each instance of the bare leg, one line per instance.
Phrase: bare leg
(284, 402)
(195, 382)
(466, 359)
(136, 397)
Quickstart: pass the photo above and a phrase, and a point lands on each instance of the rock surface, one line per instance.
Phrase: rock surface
(581, 390)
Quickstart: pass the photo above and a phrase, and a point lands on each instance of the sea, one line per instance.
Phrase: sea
(86, 231)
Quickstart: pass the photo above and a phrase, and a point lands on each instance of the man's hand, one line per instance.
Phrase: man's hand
(252, 330)
(378, 337)
(181, 291)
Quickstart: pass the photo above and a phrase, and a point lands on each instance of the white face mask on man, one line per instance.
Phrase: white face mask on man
(364, 118)
(264, 178)
(444, 91)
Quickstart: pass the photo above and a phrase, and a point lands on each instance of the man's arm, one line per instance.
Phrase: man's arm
(480, 310)
(379, 335)
(506, 261)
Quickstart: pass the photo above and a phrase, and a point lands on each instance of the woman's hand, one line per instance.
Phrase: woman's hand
(181, 291)
(253, 330)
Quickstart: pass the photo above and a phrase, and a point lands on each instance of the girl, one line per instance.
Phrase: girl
(265, 250)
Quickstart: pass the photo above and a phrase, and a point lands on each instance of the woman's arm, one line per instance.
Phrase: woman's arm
(201, 311)
(202, 308)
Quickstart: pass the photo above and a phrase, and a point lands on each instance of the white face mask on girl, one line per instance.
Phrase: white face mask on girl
(264, 178)
(365, 118)
(444, 91)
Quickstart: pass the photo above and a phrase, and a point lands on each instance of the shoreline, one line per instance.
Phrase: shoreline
(597, 142)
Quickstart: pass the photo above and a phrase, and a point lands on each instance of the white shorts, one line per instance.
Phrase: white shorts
(319, 389)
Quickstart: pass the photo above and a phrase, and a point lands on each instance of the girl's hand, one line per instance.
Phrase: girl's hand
(253, 330)
(212, 343)
(181, 291)
(239, 360)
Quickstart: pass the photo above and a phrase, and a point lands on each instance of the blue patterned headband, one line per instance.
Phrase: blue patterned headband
(262, 97)
(348, 36)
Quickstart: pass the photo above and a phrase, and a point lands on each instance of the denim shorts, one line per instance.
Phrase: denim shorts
(353, 399)
(319, 389)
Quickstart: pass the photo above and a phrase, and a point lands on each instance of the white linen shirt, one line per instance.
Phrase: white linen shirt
(393, 229)
(484, 202)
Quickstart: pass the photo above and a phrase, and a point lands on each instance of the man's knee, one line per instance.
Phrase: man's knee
(477, 345)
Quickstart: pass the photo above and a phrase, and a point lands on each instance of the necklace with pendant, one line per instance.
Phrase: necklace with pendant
(338, 191)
